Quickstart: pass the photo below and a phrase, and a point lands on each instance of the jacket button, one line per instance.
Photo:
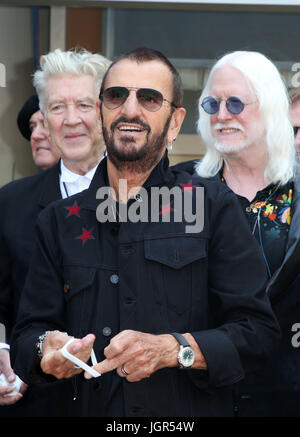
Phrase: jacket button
(114, 279)
(106, 331)
(66, 288)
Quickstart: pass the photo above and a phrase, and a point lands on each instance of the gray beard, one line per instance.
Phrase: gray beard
(225, 149)
(137, 161)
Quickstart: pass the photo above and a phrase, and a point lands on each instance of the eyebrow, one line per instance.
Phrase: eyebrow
(80, 99)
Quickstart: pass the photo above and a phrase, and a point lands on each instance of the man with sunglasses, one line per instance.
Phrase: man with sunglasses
(244, 122)
(169, 313)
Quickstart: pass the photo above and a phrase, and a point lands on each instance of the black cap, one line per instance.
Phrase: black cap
(30, 107)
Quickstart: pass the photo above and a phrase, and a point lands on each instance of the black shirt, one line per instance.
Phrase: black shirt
(269, 217)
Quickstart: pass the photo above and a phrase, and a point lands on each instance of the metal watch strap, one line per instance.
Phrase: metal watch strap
(39, 344)
(181, 339)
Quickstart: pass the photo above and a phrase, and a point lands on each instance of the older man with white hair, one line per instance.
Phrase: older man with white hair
(244, 122)
(68, 85)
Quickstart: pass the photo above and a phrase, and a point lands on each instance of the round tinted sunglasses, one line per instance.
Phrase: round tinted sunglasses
(148, 98)
(233, 105)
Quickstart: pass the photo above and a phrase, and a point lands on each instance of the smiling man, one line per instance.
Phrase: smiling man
(170, 314)
(244, 121)
(68, 86)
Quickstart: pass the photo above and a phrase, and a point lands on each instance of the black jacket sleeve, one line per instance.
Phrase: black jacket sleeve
(247, 331)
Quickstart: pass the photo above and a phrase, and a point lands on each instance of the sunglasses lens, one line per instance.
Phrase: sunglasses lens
(115, 96)
(210, 105)
(234, 105)
(150, 99)
(296, 128)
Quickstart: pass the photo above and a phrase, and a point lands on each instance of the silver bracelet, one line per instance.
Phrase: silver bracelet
(40, 342)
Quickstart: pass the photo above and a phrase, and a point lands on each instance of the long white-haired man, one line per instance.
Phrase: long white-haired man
(244, 122)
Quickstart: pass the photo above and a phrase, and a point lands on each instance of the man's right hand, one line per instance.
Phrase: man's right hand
(5, 368)
(53, 361)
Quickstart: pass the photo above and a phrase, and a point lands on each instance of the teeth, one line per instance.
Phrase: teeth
(131, 128)
(229, 130)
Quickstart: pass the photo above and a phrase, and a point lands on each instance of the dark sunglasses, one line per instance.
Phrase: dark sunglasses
(233, 105)
(296, 128)
(148, 98)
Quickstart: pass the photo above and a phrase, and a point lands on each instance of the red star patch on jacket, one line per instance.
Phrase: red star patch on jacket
(73, 210)
(86, 235)
(187, 187)
(165, 209)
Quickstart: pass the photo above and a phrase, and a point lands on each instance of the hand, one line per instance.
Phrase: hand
(5, 368)
(54, 363)
(139, 353)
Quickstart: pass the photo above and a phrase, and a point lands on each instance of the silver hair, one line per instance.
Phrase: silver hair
(59, 63)
(273, 99)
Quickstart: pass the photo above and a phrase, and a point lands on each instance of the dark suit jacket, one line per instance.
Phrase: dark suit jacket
(21, 201)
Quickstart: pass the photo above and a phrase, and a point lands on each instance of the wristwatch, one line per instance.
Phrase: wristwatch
(186, 355)
(39, 344)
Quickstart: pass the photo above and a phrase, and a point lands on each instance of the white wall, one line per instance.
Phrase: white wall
(17, 55)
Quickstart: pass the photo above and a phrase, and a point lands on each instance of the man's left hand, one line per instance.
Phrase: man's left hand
(139, 355)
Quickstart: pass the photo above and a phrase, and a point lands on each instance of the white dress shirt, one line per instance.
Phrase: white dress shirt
(73, 183)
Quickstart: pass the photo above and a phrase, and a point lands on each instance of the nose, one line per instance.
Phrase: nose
(38, 133)
(131, 107)
(71, 115)
(223, 114)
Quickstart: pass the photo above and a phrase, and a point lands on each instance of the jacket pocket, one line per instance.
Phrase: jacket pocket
(176, 252)
(77, 279)
(177, 263)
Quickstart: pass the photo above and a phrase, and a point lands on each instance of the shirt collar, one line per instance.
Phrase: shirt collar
(68, 176)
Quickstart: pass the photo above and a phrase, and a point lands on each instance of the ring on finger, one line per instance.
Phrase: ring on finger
(76, 367)
(124, 371)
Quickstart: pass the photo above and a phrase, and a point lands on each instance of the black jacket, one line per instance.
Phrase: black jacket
(274, 389)
(150, 277)
(21, 201)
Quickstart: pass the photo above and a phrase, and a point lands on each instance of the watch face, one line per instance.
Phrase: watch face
(187, 357)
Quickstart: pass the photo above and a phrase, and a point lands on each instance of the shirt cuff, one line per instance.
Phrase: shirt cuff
(4, 346)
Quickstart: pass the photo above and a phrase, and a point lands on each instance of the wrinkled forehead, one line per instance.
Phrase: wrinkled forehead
(36, 116)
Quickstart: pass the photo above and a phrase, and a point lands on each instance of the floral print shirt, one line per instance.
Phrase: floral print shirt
(269, 217)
